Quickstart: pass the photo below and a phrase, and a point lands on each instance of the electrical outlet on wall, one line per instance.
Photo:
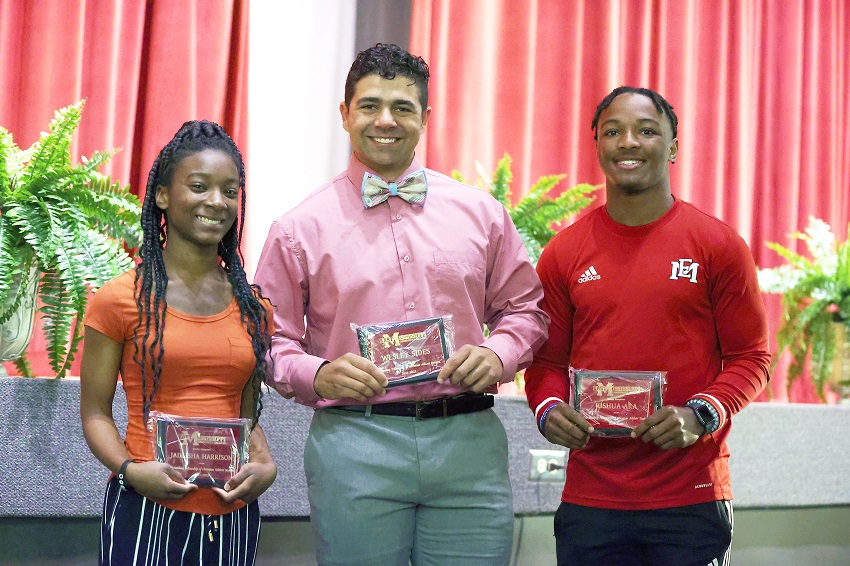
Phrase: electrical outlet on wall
(547, 465)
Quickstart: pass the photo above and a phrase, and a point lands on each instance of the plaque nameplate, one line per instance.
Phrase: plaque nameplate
(407, 352)
(615, 402)
(205, 451)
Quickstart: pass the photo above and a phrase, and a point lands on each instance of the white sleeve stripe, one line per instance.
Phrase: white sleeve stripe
(545, 402)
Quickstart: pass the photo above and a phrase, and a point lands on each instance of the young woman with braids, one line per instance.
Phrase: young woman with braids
(189, 336)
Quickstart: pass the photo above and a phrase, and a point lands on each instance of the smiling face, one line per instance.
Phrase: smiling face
(635, 145)
(384, 121)
(202, 199)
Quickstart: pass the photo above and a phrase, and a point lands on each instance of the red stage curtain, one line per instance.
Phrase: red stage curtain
(144, 68)
(761, 89)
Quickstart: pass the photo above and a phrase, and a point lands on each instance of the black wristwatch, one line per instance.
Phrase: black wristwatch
(706, 414)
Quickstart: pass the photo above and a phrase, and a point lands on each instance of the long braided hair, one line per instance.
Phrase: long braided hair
(152, 279)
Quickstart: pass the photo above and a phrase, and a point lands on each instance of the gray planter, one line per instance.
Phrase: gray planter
(16, 333)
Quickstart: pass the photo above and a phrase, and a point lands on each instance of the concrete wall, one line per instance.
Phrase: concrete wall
(789, 468)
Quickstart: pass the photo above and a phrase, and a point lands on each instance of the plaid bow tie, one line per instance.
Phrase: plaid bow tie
(412, 189)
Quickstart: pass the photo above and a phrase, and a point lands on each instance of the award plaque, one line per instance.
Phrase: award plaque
(407, 352)
(207, 452)
(615, 402)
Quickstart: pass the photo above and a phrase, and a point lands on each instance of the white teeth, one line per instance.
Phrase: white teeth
(206, 220)
(384, 140)
(631, 162)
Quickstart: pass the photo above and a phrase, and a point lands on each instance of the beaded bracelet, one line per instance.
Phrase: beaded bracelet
(541, 422)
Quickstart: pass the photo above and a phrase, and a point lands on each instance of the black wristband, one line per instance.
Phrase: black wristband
(122, 474)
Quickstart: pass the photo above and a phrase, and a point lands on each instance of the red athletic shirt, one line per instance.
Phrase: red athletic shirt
(678, 295)
(208, 360)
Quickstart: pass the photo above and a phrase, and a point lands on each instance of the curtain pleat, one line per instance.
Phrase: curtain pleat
(144, 68)
(761, 89)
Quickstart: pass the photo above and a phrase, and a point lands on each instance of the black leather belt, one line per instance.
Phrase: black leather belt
(448, 407)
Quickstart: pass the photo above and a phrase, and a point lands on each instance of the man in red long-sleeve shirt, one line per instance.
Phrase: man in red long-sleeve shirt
(670, 289)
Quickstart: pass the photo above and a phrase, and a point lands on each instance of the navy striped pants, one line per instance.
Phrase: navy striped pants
(137, 531)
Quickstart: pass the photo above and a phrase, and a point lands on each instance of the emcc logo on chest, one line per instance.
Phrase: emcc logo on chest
(685, 269)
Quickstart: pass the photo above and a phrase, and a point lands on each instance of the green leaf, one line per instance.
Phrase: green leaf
(816, 298)
(23, 366)
(58, 312)
(54, 146)
(538, 214)
(10, 164)
(500, 185)
(68, 219)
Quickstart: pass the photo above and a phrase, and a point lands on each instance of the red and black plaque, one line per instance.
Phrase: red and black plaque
(206, 451)
(615, 402)
(407, 352)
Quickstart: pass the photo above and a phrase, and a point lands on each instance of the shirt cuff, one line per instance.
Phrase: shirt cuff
(545, 404)
(541, 420)
(301, 376)
(503, 348)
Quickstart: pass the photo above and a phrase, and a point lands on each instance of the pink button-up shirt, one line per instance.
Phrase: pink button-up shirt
(330, 263)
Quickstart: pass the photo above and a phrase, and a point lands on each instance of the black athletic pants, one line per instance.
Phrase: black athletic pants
(694, 535)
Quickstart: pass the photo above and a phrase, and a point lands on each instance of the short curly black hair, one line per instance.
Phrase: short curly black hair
(661, 105)
(388, 60)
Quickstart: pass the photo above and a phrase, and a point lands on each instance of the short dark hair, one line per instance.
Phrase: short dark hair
(661, 105)
(388, 60)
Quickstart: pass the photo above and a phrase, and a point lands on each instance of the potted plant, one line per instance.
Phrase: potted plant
(63, 228)
(538, 212)
(535, 216)
(815, 305)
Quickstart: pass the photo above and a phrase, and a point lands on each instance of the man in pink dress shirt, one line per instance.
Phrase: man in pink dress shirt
(410, 473)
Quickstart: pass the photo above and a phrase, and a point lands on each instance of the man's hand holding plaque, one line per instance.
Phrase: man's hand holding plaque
(407, 352)
(670, 427)
(350, 376)
(567, 427)
(615, 402)
(473, 367)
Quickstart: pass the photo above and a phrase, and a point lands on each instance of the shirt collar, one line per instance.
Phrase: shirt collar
(356, 170)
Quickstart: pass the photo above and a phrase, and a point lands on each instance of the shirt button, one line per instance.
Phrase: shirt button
(407, 258)
(398, 216)
(412, 306)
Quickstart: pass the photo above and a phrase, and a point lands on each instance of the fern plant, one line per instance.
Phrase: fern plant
(538, 212)
(66, 222)
(536, 215)
(815, 301)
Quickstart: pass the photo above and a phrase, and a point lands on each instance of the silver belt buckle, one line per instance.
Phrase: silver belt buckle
(420, 404)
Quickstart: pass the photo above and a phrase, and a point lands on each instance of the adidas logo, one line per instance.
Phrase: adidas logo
(589, 275)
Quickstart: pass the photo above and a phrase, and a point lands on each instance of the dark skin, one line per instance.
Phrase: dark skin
(635, 146)
(200, 208)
